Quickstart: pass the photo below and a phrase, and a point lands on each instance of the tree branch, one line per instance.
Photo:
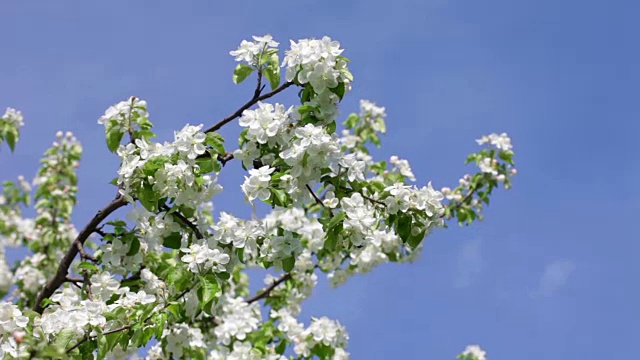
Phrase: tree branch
(249, 104)
(264, 293)
(185, 221)
(459, 204)
(61, 274)
(226, 158)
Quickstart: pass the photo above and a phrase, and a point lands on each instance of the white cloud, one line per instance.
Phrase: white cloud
(470, 263)
(555, 276)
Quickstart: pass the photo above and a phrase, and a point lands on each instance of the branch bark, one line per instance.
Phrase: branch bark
(264, 293)
(61, 274)
(249, 104)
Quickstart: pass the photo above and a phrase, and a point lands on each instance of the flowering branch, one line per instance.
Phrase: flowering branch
(126, 327)
(249, 104)
(61, 274)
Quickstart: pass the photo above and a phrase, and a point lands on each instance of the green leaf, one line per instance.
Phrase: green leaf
(331, 128)
(208, 289)
(273, 75)
(279, 197)
(64, 338)
(114, 136)
(415, 240)
(11, 137)
(223, 275)
(506, 156)
(103, 348)
(205, 164)
(112, 340)
(216, 141)
(335, 220)
(148, 198)
(241, 72)
(403, 226)
(173, 241)
(288, 263)
(338, 90)
(351, 121)
(134, 247)
(88, 266)
(54, 352)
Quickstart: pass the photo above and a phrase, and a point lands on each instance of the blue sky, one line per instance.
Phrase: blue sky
(552, 271)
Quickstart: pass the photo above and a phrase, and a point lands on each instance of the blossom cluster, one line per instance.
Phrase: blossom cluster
(13, 118)
(321, 331)
(175, 272)
(250, 51)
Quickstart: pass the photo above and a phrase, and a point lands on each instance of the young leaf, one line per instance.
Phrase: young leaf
(173, 241)
(288, 263)
(241, 72)
(114, 136)
(273, 75)
(208, 289)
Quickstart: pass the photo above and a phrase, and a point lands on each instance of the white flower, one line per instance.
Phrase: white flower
(239, 318)
(257, 184)
(13, 117)
(248, 51)
(486, 166)
(403, 167)
(265, 122)
(11, 318)
(103, 285)
(476, 352)
(5, 273)
(181, 336)
(123, 111)
(330, 200)
(501, 142)
(369, 110)
(190, 141)
(355, 167)
(200, 258)
(360, 215)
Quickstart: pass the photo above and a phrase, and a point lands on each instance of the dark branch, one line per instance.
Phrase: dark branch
(249, 104)
(185, 221)
(61, 274)
(265, 293)
(226, 158)
(318, 201)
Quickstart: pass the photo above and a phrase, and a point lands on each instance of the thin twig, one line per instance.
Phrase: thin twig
(365, 197)
(264, 293)
(87, 284)
(259, 87)
(61, 274)
(459, 204)
(83, 254)
(318, 201)
(244, 107)
(185, 221)
(99, 231)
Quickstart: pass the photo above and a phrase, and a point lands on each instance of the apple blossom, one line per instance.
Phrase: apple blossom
(174, 271)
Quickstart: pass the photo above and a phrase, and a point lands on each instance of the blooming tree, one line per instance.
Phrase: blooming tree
(171, 276)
